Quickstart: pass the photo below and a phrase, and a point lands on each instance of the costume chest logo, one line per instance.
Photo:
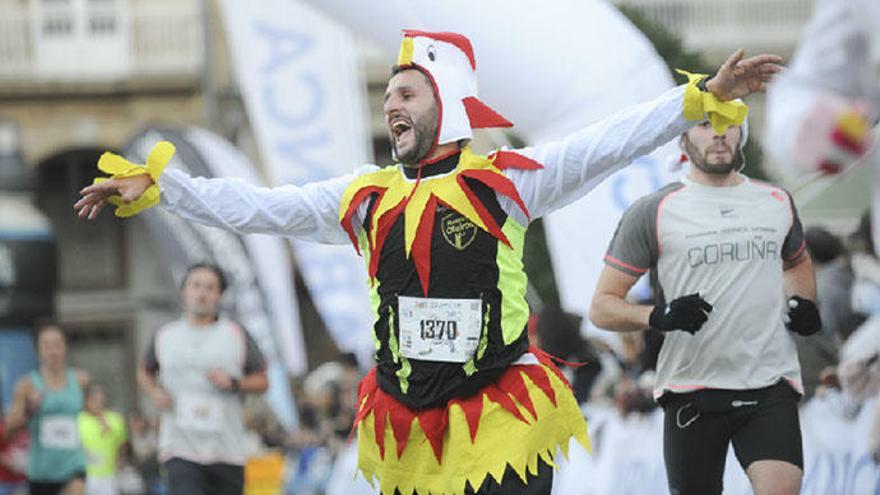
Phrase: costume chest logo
(458, 231)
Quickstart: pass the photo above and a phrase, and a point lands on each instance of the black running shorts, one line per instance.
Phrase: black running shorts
(762, 424)
(189, 478)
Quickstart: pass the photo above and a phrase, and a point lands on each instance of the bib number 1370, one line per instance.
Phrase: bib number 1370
(442, 330)
(439, 329)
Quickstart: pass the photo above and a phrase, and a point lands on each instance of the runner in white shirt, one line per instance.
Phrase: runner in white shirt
(729, 257)
(195, 371)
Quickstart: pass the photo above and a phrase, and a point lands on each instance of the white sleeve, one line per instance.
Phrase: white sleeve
(831, 66)
(834, 51)
(579, 162)
(309, 212)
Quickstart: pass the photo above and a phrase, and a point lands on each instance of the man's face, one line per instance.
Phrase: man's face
(96, 400)
(51, 348)
(410, 115)
(201, 292)
(711, 153)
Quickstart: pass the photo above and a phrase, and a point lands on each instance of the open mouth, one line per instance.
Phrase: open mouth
(399, 128)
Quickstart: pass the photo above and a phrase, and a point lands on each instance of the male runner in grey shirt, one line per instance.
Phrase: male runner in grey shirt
(729, 254)
(194, 372)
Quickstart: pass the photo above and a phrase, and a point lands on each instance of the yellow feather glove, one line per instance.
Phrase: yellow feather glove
(721, 114)
(118, 167)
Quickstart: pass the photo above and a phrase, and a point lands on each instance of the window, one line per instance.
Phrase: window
(102, 25)
(57, 26)
(91, 255)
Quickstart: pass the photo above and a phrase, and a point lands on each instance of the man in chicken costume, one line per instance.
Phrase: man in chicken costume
(458, 402)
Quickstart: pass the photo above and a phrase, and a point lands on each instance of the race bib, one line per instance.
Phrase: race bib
(199, 413)
(445, 330)
(59, 432)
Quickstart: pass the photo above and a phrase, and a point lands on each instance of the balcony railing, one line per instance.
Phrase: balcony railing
(154, 43)
(719, 25)
(167, 43)
(16, 47)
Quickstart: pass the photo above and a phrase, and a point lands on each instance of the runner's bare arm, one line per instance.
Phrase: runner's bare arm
(148, 383)
(799, 277)
(254, 383)
(18, 412)
(610, 310)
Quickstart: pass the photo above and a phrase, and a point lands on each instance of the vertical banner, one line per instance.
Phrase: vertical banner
(302, 89)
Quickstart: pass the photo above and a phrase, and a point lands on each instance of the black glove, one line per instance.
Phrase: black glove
(803, 316)
(686, 313)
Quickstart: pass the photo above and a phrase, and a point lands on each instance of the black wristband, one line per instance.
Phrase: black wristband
(655, 319)
(234, 385)
(701, 84)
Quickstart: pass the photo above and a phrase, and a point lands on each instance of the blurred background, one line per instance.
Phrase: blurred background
(288, 91)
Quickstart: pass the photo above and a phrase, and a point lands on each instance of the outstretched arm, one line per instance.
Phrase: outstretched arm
(309, 212)
(576, 164)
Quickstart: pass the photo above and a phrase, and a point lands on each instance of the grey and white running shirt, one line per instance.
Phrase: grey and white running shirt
(205, 424)
(728, 244)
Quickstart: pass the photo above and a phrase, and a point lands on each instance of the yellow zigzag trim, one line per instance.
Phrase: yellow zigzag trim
(398, 188)
(118, 167)
(699, 105)
(490, 453)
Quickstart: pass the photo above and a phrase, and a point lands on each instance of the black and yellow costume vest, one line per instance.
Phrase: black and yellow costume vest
(462, 246)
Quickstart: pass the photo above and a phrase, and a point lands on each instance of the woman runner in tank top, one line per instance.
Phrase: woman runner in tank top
(48, 401)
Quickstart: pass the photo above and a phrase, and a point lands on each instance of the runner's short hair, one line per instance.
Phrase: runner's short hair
(43, 325)
(221, 277)
(93, 387)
